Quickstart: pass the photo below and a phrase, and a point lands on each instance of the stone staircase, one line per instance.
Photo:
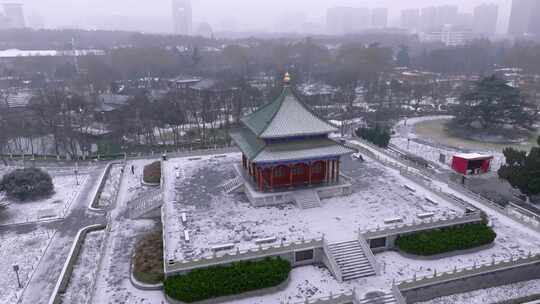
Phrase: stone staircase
(306, 199)
(146, 203)
(351, 260)
(386, 298)
(232, 185)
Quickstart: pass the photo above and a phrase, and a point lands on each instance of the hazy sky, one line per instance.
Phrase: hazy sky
(154, 15)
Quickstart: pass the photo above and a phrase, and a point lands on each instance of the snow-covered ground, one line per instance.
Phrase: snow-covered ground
(113, 282)
(53, 207)
(216, 218)
(433, 150)
(24, 250)
(82, 278)
(111, 186)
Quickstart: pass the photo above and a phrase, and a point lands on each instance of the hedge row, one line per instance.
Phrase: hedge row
(218, 281)
(152, 173)
(446, 239)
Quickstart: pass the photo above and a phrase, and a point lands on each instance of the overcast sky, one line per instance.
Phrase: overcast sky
(269, 15)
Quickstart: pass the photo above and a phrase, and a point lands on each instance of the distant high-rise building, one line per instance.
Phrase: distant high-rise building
(464, 21)
(410, 19)
(344, 20)
(379, 17)
(485, 19)
(534, 20)
(449, 36)
(520, 17)
(14, 15)
(182, 16)
(435, 17)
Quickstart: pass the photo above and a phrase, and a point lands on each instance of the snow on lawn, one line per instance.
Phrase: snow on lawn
(216, 218)
(82, 278)
(53, 207)
(12, 245)
(432, 150)
(491, 295)
(111, 186)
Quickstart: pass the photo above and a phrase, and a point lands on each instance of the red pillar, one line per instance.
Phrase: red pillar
(309, 173)
(327, 173)
(271, 178)
(333, 166)
(261, 180)
(337, 170)
(291, 174)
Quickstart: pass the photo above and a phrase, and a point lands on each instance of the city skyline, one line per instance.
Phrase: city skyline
(265, 16)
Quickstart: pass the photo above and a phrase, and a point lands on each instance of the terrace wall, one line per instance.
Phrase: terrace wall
(472, 278)
(391, 234)
(285, 251)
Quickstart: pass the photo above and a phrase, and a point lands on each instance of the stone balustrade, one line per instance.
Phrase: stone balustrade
(255, 253)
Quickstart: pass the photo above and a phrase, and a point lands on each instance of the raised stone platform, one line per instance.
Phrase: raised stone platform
(284, 196)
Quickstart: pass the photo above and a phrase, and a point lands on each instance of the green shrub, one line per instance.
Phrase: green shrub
(218, 281)
(446, 239)
(27, 184)
(377, 136)
(152, 173)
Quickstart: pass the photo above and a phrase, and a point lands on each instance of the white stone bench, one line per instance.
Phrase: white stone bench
(186, 236)
(429, 200)
(393, 220)
(425, 215)
(409, 188)
(266, 240)
(222, 247)
(184, 217)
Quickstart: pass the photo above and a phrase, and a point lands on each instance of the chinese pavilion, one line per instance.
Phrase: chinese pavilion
(285, 145)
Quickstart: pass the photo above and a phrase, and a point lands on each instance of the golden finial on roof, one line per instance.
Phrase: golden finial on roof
(287, 78)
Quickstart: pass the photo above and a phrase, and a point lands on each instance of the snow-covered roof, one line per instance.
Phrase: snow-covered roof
(473, 156)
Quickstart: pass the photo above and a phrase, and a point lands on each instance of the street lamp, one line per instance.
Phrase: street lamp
(77, 172)
(16, 269)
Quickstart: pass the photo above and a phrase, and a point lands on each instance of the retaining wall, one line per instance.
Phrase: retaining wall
(285, 250)
(391, 234)
(472, 278)
(65, 275)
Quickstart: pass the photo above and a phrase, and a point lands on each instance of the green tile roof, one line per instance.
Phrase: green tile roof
(285, 117)
(256, 150)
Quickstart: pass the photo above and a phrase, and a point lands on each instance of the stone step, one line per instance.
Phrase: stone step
(385, 299)
(355, 252)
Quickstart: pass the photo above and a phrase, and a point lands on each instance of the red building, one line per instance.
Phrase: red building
(284, 144)
(471, 163)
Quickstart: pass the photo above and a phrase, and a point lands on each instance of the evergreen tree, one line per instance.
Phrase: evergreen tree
(522, 170)
(402, 58)
(493, 104)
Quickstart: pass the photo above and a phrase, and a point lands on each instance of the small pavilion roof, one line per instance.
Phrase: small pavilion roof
(256, 150)
(287, 116)
(473, 156)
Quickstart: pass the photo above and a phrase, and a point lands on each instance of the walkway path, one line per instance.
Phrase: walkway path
(42, 283)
